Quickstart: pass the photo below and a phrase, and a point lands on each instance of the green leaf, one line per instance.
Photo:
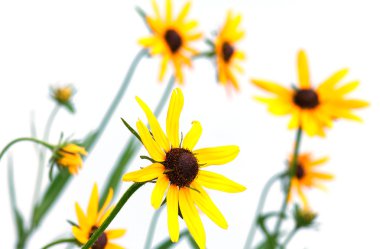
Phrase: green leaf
(166, 244)
(88, 141)
(12, 193)
(131, 129)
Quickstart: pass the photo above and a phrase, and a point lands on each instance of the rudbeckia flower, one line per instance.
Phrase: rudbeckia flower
(87, 224)
(227, 54)
(307, 176)
(69, 156)
(171, 38)
(312, 108)
(179, 171)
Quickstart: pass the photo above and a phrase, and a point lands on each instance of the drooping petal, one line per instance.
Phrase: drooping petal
(92, 209)
(216, 155)
(172, 119)
(191, 217)
(159, 191)
(207, 206)
(158, 133)
(172, 202)
(146, 174)
(302, 196)
(219, 182)
(303, 70)
(150, 145)
(192, 136)
(164, 66)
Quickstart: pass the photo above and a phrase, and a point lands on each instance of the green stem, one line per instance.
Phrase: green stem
(113, 214)
(30, 139)
(42, 154)
(118, 96)
(259, 209)
(152, 228)
(289, 238)
(291, 173)
(61, 241)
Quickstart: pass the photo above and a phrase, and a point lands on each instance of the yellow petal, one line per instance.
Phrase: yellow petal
(302, 196)
(319, 162)
(207, 206)
(303, 70)
(330, 83)
(192, 136)
(146, 174)
(164, 66)
(172, 119)
(168, 11)
(219, 182)
(113, 246)
(104, 217)
(115, 233)
(158, 133)
(323, 176)
(150, 145)
(172, 203)
(92, 209)
(216, 155)
(191, 217)
(156, 9)
(185, 10)
(347, 88)
(271, 87)
(159, 191)
(106, 203)
(79, 235)
(82, 219)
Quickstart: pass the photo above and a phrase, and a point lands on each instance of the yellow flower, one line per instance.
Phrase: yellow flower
(171, 38)
(62, 94)
(179, 171)
(227, 55)
(92, 221)
(69, 156)
(306, 176)
(311, 108)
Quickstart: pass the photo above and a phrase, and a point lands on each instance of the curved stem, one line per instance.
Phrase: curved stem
(61, 241)
(290, 175)
(113, 214)
(30, 139)
(42, 154)
(259, 209)
(152, 228)
(118, 96)
(289, 238)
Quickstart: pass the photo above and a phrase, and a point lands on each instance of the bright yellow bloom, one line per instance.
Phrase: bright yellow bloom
(311, 108)
(179, 171)
(62, 94)
(87, 224)
(171, 38)
(69, 156)
(306, 176)
(227, 55)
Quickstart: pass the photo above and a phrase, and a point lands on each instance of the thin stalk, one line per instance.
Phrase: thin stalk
(152, 228)
(289, 238)
(61, 241)
(115, 211)
(30, 139)
(141, 54)
(42, 154)
(259, 208)
(292, 171)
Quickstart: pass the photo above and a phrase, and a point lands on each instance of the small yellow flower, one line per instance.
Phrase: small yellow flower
(171, 38)
(306, 176)
(87, 224)
(227, 54)
(311, 108)
(179, 171)
(69, 156)
(62, 94)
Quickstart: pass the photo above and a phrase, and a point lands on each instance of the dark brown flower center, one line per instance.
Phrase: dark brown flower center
(173, 40)
(227, 51)
(300, 172)
(181, 166)
(102, 240)
(306, 98)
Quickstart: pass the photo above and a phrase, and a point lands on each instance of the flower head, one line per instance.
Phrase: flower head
(63, 96)
(304, 217)
(87, 224)
(306, 176)
(70, 156)
(179, 171)
(312, 108)
(227, 54)
(171, 38)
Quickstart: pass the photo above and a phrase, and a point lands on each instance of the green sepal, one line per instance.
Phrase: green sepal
(69, 106)
(133, 131)
(210, 43)
(72, 223)
(148, 158)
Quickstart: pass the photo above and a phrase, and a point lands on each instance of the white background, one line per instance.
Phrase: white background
(91, 44)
